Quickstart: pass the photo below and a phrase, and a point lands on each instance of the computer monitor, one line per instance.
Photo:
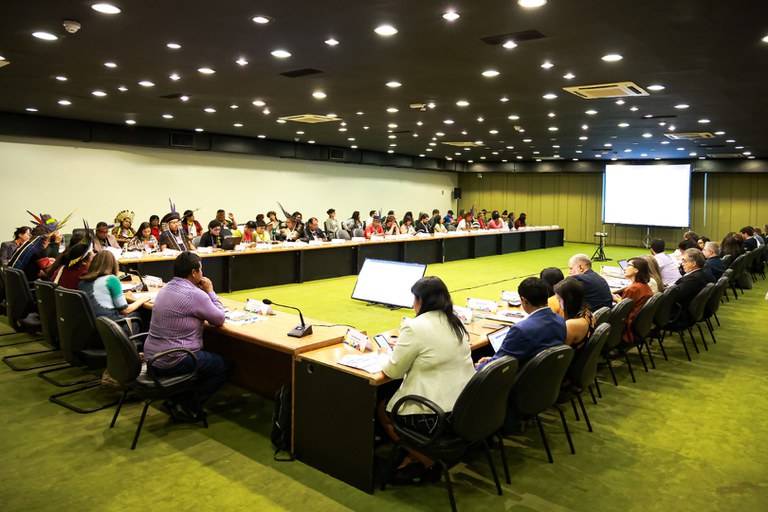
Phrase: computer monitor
(387, 282)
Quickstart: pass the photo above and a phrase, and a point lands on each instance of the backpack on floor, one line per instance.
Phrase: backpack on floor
(281, 423)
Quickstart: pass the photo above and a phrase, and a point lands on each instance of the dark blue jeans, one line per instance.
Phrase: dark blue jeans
(212, 373)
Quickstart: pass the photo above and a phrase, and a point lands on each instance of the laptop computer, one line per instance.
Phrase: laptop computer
(230, 242)
(497, 337)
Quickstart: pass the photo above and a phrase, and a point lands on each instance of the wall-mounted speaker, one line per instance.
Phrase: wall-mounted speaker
(457, 193)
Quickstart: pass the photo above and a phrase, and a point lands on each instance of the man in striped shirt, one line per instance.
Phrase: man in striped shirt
(181, 309)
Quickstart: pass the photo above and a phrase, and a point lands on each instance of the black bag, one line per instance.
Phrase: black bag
(281, 423)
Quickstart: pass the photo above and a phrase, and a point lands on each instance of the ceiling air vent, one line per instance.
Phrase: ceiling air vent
(725, 155)
(464, 144)
(517, 37)
(689, 135)
(296, 73)
(310, 118)
(4, 63)
(174, 96)
(612, 90)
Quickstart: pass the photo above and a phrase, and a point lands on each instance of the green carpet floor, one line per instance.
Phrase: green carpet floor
(689, 436)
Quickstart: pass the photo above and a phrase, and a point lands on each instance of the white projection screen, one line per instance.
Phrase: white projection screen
(647, 195)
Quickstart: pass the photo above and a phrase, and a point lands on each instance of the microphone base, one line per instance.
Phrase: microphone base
(300, 331)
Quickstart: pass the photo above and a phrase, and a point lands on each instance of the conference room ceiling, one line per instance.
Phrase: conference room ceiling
(433, 82)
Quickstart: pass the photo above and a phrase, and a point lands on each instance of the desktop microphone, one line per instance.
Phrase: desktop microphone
(300, 330)
(144, 286)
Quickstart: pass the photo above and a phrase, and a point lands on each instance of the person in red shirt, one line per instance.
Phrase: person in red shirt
(374, 229)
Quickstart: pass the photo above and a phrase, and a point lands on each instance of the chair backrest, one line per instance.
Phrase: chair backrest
(358, 232)
(699, 302)
(601, 315)
(196, 240)
(123, 361)
(666, 305)
(537, 384)
(340, 233)
(18, 297)
(481, 407)
(76, 323)
(46, 308)
(714, 301)
(584, 366)
(618, 319)
(739, 265)
(728, 273)
(642, 323)
(2, 287)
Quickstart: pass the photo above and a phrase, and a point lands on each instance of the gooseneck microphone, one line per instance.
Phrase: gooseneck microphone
(135, 272)
(300, 330)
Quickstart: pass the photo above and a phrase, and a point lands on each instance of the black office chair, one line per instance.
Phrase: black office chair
(4, 311)
(582, 371)
(728, 273)
(23, 317)
(617, 320)
(477, 414)
(80, 343)
(738, 279)
(642, 326)
(599, 317)
(124, 365)
(714, 305)
(537, 387)
(664, 316)
(697, 312)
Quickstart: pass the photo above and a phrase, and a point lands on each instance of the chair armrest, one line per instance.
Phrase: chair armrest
(129, 320)
(151, 361)
(442, 419)
(140, 337)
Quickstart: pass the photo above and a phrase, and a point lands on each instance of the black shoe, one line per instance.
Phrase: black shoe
(431, 474)
(409, 475)
(182, 415)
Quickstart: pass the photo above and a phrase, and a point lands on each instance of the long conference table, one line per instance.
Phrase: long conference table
(271, 265)
(334, 406)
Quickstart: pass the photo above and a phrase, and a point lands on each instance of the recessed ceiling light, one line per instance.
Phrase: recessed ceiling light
(234, 107)
(281, 54)
(504, 99)
(462, 103)
(623, 125)
(612, 57)
(448, 121)
(480, 119)
(262, 136)
(146, 83)
(258, 103)
(173, 46)
(633, 109)
(746, 153)
(100, 94)
(509, 44)
(583, 137)
(704, 121)
(551, 114)
(175, 77)
(392, 110)
(261, 19)
(656, 87)
(720, 133)
(664, 142)
(310, 142)
(553, 128)
(547, 65)
(332, 115)
(238, 125)
(431, 104)
(167, 116)
(393, 84)
(319, 95)
(527, 140)
(342, 129)
(110, 65)
(331, 42)
(647, 135)
(530, 4)
(451, 16)
(45, 36)
(569, 76)
(184, 98)
(210, 110)
(199, 129)
(283, 121)
(206, 71)
(549, 96)
(65, 103)
(385, 30)
(681, 106)
(130, 121)
(242, 61)
(591, 112)
(585, 127)
(513, 117)
(440, 134)
(61, 78)
(106, 8)
(31, 109)
(122, 88)
(493, 132)
(490, 73)
(765, 39)
(730, 141)
(619, 102)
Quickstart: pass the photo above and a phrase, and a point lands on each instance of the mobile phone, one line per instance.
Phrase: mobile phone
(382, 342)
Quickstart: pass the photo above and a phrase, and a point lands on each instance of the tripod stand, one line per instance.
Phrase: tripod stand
(599, 254)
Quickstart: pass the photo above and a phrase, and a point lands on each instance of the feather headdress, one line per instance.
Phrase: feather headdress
(125, 214)
(76, 252)
(288, 216)
(48, 222)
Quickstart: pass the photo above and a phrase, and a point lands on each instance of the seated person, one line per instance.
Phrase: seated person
(312, 231)
(495, 222)
(465, 224)
(103, 288)
(390, 226)
(731, 248)
(667, 266)
(212, 237)
(479, 222)
(689, 286)
(353, 223)
(751, 242)
(261, 235)
(123, 230)
(422, 226)
(299, 224)
(154, 223)
(144, 240)
(331, 224)
(639, 291)
(174, 237)
(511, 220)
(371, 215)
(682, 247)
(542, 329)
(578, 320)
(407, 227)
(248, 230)
(448, 219)
(596, 289)
(433, 357)
(520, 222)
(551, 276)
(438, 226)
(290, 231)
(181, 309)
(714, 266)
(20, 235)
(703, 240)
(656, 283)
(32, 256)
(227, 222)
(273, 224)
(104, 238)
(433, 220)
(191, 226)
(72, 266)
(374, 229)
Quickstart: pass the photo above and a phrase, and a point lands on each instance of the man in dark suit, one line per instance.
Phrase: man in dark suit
(750, 242)
(312, 231)
(597, 293)
(689, 285)
(542, 329)
(714, 266)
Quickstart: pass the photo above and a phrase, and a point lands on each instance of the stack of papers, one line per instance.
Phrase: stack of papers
(369, 363)
(507, 316)
(242, 318)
